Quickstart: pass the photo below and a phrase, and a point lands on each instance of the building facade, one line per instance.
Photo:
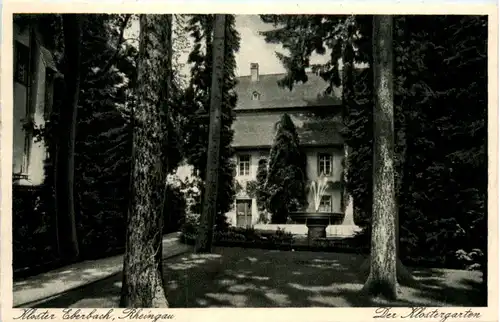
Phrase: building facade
(34, 75)
(318, 120)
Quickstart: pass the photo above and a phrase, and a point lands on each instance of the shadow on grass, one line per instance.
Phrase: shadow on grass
(237, 277)
(259, 278)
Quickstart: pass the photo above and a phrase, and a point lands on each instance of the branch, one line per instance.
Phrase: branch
(112, 60)
(130, 39)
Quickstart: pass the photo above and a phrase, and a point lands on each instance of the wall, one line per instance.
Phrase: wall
(255, 156)
(35, 173)
(19, 112)
(301, 230)
(312, 174)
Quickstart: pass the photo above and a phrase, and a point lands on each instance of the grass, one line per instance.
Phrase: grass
(237, 277)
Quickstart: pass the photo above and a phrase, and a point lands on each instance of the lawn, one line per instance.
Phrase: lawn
(237, 277)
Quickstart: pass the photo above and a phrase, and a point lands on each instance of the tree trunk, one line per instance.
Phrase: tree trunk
(166, 99)
(382, 279)
(142, 281)
(348, 99)
(65, 155)
(209, 209)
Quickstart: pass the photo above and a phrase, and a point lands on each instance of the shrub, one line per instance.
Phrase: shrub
(472, 260)
(281, 236)
(33, 227)
(174, 212)
(190, 226)
(263, 218)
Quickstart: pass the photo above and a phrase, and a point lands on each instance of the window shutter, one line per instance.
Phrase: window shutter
(318, 158)
(330, 157)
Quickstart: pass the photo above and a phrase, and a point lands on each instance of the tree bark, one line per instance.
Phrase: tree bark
(209, 209)
(382, 279)
(65, 155)
(142, 281)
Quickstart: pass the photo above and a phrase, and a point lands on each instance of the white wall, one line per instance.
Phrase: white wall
(312, 174)
(255, 156)
(333, 230)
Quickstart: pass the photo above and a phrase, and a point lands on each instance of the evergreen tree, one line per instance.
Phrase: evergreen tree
(196, 107)
(447, 162)
(286, 176)
(104, 135)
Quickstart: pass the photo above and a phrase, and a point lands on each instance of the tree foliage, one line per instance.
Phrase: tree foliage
(104, 134)
(285, 185)
(260, 189)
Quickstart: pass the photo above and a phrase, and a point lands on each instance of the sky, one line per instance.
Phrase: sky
(253, 48)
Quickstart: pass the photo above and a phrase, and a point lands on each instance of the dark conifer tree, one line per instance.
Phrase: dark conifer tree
(286, 176)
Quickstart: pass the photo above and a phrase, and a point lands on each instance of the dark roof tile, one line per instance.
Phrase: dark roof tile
(253, 130)
(310, 93)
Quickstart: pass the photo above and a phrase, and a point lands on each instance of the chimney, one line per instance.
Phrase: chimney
(254, 71)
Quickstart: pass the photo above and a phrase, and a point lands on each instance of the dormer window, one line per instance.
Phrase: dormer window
(255, 96)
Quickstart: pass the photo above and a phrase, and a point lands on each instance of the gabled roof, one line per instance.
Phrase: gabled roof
(272, 96)
(257, 130)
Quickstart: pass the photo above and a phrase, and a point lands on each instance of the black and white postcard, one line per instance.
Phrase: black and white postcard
(326, 162)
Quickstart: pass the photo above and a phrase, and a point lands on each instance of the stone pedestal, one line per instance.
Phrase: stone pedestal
(316, 231)
(316, 228)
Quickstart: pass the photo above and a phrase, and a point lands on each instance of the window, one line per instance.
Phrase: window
(244, 165)
(21, 67)
(255, 96)
(325, 164)
(325, 204)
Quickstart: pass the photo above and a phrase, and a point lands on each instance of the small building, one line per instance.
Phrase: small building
(318, 120)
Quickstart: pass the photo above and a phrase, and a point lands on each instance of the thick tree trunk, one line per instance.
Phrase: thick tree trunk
(404, 275)
(142, 280)
(209, 209)
(382, 279)
(65, 155)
